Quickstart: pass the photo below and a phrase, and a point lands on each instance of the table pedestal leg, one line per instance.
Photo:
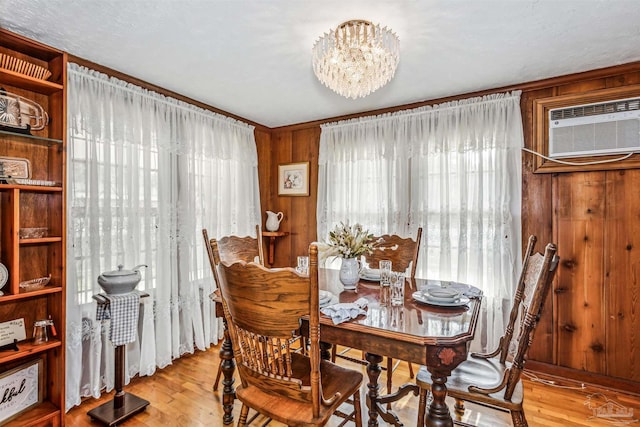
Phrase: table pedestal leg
(373, 372)
(228, 365)
(439, 415)
(375, 402)
(124, 405)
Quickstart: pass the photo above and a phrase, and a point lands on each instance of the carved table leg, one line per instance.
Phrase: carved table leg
(373, 372)
(228, 367)
(440, 362)
(375, 402)
(439, 415)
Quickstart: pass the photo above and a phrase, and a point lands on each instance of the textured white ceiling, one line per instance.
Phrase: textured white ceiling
(253, 58)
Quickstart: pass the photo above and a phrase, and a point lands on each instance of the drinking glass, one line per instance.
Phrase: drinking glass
(397, 318)
(303, 265)
(385, 295)
(385, 272)
(397, 289)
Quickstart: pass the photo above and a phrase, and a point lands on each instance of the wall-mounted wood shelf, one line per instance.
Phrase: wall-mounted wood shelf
(30, 139)
(273, 235)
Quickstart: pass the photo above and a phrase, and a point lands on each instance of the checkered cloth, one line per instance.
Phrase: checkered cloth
(123, 311)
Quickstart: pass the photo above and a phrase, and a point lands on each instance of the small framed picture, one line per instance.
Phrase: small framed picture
(21, 388)
(293, 179)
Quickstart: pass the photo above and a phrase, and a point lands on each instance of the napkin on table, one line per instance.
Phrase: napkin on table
(466, 290)
(342, 312)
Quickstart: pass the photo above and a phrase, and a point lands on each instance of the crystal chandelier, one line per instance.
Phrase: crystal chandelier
(357, 58)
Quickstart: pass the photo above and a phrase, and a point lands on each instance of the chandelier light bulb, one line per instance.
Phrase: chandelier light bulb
(357, 58)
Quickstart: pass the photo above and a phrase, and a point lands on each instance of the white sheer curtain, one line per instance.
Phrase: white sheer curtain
(145, 174)
(453, 169)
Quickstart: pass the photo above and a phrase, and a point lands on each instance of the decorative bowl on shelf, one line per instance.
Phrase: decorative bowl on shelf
(34, 284)
(33, 232)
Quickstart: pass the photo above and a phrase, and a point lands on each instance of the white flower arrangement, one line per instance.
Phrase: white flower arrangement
(346, 241)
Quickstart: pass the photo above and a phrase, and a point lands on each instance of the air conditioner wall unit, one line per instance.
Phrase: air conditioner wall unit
(605, 128)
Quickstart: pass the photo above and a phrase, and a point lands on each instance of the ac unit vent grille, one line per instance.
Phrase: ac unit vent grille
(595, 129)
(596, 109)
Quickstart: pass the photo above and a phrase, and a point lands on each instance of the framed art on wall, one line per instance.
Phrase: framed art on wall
(293, 179)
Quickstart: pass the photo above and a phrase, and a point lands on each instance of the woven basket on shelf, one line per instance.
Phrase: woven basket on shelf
(17, 65)
(35, 284)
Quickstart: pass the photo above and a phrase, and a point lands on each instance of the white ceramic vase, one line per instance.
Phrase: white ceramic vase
(349, 271)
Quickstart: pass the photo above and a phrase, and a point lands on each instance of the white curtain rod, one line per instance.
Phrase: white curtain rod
(420, 110)
(174, 102)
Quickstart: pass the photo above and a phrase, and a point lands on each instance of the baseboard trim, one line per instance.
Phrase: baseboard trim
(584, 377)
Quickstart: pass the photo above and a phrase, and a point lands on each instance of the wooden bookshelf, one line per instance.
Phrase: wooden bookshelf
(27, 206)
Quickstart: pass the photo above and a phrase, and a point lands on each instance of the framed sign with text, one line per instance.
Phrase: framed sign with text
(11, 331)
(20, 389)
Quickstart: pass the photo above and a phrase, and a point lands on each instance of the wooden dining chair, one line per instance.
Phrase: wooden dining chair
(489, 379)
(231, 248)
(263, 308)
(401, 251)
(234, 248)
(403, 254)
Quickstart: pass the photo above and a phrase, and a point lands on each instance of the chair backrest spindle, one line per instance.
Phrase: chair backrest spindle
(535, 294)
(505, 341)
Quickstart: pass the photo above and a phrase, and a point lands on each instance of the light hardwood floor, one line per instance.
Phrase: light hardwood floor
(181, 395)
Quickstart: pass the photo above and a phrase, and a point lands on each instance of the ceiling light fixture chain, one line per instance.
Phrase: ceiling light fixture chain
(357, 58)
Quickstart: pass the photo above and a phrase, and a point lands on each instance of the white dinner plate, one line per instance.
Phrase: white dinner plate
(4, 275)
(370, 274)
(424, 299)
(442, 294)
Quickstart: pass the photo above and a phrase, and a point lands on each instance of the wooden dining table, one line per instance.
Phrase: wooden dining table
(437, 337)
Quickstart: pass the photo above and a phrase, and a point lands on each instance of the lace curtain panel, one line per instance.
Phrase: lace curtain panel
(145, 174)
(453, 169)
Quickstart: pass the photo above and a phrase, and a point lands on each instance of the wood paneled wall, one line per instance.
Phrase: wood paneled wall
(290, 146)
(591, 327)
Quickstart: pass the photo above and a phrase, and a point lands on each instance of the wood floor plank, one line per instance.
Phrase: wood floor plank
(181, 395)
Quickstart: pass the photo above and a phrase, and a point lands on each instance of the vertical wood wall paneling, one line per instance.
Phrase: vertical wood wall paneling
(622, 274)
(281, 155)
(264, 149)
(579, 229)
(536, 220)
(305, 148)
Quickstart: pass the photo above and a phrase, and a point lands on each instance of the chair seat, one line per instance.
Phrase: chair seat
(482, 373)
(298, 413)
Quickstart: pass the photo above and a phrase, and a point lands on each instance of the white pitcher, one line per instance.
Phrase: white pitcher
(273, 220)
